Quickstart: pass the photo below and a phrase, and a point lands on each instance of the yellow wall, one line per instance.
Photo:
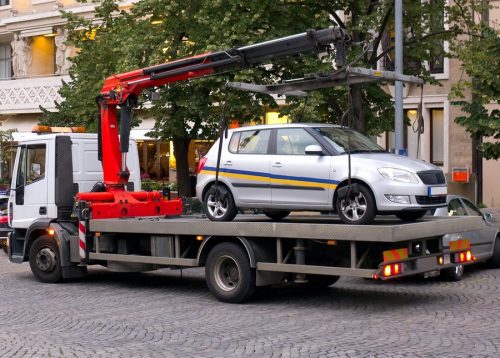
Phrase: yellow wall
(42, 51)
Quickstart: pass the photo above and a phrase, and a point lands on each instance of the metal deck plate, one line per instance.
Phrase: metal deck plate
(304, 227)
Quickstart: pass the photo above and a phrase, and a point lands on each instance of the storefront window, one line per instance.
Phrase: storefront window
(153, 159)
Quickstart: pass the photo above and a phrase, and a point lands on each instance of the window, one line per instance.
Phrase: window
(472, 208)
(32, 166)
(154, 159)
(5, 62)
(436, 58)
(342, 139)
(293, 141)
(250, 142)
(4, 2)
(437, 136)
(455, 208)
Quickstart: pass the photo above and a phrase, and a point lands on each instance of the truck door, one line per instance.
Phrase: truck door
(29, 200)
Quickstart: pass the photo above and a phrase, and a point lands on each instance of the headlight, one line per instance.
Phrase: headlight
(398, 175)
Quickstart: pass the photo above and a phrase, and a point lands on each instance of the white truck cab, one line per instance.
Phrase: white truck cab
(48, 171)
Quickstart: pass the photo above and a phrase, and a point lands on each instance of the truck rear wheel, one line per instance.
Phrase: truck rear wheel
(453, 273)
(45, 261)
(228, 273)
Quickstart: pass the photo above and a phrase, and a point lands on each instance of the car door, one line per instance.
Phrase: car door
(484, 239)
(299, 180)
(455, 208)
(246, 166)
(30, 198)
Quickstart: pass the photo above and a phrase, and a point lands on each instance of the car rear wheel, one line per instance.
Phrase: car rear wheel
(453, 273)
(276, 214)
(219, 204)
(359, 208)
(494, 261)
(411, 215)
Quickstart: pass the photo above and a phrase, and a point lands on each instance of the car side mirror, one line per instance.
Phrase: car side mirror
(313, 149)
(488, 216)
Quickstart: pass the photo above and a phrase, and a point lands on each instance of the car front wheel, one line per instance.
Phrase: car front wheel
(358, 208)
(219, 204)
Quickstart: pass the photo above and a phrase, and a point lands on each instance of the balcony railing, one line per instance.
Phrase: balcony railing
(27, 94)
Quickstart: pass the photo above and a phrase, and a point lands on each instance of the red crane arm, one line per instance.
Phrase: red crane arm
(124, 89)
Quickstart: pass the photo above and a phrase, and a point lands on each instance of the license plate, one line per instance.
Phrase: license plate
(437, 190)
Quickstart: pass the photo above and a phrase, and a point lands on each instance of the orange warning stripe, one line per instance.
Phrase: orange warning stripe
(395, 255)
(459, 245)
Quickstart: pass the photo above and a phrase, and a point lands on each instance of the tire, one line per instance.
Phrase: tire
(410, 215)
(224, 208)
(276, 214)
(320, 281)
(494, 261)
(45, 261)
(228, 273)
(363, 204)
(453, 273)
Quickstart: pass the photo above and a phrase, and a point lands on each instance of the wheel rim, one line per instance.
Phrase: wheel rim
(46, 259)
(355, 208)
(217, 208)
(227, 273)
(458, 270)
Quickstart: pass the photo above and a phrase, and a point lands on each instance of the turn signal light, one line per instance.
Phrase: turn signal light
(393, 269)
(440, 260)
(51, 232)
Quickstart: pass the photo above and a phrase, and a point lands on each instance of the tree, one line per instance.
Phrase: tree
(122, 41)
(478, 49)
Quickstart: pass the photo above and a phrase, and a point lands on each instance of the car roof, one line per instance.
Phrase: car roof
(287, 125)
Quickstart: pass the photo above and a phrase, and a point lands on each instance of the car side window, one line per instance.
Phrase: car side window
(250, 142)
(293, 141)
(455, 208)
(472, 208)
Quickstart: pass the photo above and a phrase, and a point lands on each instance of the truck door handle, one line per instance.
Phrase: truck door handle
(42, 210)
(277, 165)
(228, 163)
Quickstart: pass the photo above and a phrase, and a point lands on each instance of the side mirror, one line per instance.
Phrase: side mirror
(488, 216)
(313, 150)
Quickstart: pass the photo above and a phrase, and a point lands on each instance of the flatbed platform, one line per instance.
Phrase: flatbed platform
(314, 227)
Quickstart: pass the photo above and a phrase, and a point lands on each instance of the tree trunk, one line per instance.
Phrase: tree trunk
(181, 151)
(358, 119)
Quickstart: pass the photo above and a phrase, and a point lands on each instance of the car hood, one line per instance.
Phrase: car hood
(388, 160)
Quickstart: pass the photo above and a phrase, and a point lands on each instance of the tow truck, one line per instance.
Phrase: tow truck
(117, 226)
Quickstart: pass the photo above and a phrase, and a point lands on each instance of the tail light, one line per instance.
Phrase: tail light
(392, 269)
(4, 219)
(201, 164)
(463, 256)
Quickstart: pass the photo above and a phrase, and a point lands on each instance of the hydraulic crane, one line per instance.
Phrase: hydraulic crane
(112, 200)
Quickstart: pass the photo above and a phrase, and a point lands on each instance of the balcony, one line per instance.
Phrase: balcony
(27, 94)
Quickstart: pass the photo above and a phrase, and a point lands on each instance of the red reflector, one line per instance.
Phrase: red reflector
(4, 219)
(201, 164)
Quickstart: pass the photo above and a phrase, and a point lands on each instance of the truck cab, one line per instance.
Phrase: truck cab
(48, 172)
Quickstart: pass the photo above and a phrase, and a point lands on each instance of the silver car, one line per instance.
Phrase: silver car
(485, 243)
(291, 167)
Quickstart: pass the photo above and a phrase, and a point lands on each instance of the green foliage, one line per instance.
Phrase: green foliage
(479, 52)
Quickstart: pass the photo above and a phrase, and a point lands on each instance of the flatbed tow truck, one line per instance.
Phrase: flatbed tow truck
(61, 233)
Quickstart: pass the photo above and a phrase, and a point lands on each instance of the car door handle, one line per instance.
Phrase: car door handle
(228, 163)
(277, 165)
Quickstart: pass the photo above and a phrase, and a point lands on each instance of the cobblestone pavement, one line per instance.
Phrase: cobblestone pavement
(163, 315)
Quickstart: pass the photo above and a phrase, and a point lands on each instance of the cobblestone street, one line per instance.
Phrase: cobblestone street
(161, 314)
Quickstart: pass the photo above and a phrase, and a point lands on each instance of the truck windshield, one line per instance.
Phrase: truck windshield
(342, 139)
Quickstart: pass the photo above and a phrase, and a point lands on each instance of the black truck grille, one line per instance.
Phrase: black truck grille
(432, 177)
(430, 200)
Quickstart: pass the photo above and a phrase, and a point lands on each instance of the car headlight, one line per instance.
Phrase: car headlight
(398, 175)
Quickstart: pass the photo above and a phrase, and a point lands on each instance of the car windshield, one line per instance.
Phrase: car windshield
(343, 139)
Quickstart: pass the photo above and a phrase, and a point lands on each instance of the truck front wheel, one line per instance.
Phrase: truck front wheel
(228, 273)
(45, 261)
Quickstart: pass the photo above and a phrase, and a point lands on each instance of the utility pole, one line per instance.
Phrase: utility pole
(398, 68)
